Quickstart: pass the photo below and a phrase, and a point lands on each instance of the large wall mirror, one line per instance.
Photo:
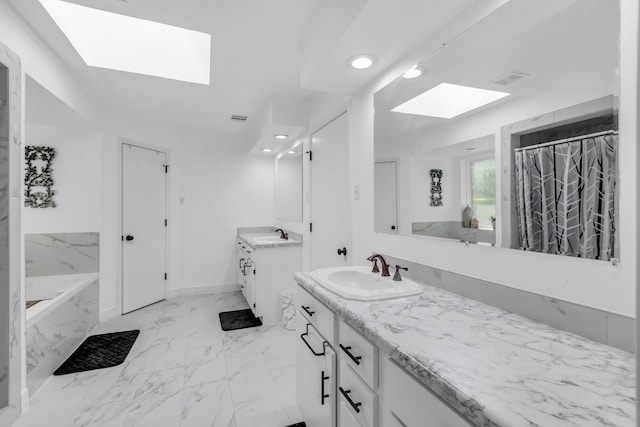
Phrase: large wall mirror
(507, 135)
(288, 188)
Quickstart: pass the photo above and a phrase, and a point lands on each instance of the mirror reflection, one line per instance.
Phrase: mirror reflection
(288, 188)
(507, 134)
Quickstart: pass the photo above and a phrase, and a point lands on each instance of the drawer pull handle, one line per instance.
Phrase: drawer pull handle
(398, 420)
(323, 396)
(356, 359)
(241, 260)
(315, 353)
(353, 404)
(306, 309)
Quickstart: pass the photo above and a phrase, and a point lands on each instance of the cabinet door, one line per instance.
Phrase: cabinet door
(250, 289)
(346, 418)
(240, 258)
(315, 376)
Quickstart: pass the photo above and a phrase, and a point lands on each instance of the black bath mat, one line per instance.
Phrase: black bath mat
(302, 424)
(238, 319)
(99, 351)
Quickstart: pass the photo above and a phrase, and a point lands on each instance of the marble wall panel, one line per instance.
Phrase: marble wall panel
(597, 325)
(54, 254)
(11, 309)
(54, 336)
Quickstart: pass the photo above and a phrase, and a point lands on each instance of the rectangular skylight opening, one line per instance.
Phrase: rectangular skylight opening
(120, 42)
(448, 100)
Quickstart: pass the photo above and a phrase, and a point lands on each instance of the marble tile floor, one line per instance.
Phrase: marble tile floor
(183, 371)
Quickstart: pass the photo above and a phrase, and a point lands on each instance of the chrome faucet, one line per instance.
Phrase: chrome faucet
(383, 263)
(283, 235)
(397, 276)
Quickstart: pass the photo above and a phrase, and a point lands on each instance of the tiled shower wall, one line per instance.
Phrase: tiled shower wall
(597, 325)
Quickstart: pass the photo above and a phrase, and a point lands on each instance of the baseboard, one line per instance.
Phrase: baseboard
(109, 314)
(24, 400)
(203, 289)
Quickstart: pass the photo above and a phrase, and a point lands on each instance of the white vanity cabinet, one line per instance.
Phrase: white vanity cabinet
(407, 403)
(315, 361)
(370, 390)
(262, 273)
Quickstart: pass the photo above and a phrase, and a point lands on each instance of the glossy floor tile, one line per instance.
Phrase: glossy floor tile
(183, 371)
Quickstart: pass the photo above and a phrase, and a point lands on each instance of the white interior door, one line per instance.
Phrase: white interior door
(386, 197)
(330, 195)
(143, 227)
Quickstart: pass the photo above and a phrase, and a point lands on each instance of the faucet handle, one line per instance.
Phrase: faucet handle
(396, 275)
(375, 266)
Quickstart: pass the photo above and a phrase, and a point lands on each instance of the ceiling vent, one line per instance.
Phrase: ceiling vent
(239, 118)
(512, 77)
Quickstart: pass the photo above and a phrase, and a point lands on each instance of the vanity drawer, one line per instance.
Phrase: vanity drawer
(316, 313)
(356, 351)
(354, 393)
(407, 403)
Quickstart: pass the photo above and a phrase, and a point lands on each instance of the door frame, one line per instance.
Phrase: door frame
(341, 112)
(167, 241)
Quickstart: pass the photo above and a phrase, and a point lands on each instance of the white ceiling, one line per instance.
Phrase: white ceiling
(261, 49)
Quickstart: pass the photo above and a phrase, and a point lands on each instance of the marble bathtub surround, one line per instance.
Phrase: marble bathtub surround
(597, 325)
(494, 367)
(183, 371)
(52, 337)
(10, 205)
(54, 254)
(453, 230)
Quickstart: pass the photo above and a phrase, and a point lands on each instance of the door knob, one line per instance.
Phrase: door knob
(393, 227)
(342, 251)
(129, 238)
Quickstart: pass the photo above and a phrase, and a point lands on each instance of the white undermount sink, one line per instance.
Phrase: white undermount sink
(359, 283)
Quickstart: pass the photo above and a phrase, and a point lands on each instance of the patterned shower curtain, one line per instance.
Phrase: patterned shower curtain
(565, 198)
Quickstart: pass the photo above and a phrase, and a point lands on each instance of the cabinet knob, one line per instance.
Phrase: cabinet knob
(342, 251)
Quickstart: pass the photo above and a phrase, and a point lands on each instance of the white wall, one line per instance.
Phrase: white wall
(590, 283)
(222, 186)
(77, 181)
(40, 63)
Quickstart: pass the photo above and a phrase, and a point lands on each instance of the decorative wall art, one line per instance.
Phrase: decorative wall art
(436, 187)
(38, 181)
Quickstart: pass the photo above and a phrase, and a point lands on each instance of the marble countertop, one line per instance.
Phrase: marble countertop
(248, 238)
(494, 367)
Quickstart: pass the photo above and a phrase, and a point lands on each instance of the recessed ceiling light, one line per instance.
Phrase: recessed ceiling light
(448, 100)
(413, 72)
(120, 42)
(362, 61)
(281, 136)
(291, 152)
(266, 150)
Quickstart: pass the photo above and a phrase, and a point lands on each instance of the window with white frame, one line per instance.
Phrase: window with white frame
(480, 189)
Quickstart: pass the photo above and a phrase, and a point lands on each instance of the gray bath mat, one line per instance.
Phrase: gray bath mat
(99, 351)
(238, 319)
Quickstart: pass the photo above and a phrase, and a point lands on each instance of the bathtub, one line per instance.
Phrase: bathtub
(57, 325)
(54, 291)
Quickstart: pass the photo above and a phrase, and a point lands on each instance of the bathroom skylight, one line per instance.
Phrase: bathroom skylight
(119, 42)
(448, 100)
